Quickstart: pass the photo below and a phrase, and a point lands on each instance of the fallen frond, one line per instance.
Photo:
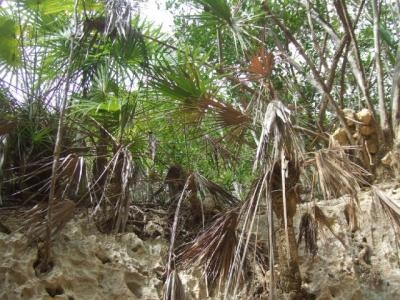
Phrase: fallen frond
(35, 219)
(337, 174)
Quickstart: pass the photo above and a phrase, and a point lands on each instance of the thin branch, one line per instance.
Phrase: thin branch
(58, 142)
(317, 76)
(358, 71)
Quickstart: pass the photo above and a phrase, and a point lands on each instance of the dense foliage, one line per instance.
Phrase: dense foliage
(103, 108)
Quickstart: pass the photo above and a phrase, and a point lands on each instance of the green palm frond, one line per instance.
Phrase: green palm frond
(9, 50)
(186, 82)
(218, 10)
(224, 14)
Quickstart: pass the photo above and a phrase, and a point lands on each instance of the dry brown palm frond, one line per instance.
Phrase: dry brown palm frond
(121, 175)
(389, 206)
(223, 198)
(35, 221)
(72, 170)
(337, 174)
(229, 116)
(173, 287)
(248, 215)
(214, 248)
(277, 135)
(261, 64)
(308, 228)
(122, 181)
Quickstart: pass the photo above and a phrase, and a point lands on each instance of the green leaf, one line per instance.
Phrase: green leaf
(9, 51)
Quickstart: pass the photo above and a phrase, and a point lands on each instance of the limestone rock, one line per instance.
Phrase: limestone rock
(91, 265)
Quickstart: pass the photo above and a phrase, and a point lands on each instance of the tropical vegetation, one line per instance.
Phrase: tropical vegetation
(234, 116)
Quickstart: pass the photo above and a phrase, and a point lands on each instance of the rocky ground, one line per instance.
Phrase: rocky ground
(92, 265)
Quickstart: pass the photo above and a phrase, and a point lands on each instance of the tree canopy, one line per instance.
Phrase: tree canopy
(242, 102)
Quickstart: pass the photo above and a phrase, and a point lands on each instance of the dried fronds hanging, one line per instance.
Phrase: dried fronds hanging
(214, 248)
(123, 180)
(173, 288)
(222, 197)
(337, 174)
(120, 175)
(277, 135)
(308, 228)
(261, 64)
(35, 222)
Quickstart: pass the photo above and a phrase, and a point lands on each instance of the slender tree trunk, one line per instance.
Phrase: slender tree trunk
(383, 113)
(396, 100)
(396, 114)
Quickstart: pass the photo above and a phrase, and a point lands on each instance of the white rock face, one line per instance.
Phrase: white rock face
(332, 274)
(91, 265)
(87, 265)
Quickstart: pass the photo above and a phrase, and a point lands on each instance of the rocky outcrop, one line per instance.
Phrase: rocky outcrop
(87, 265)
(336, 272)
(92, 265)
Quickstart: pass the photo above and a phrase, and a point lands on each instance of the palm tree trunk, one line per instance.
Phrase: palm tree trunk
(289, 279)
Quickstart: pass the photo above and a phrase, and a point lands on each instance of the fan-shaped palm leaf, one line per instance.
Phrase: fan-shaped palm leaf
(331, 162)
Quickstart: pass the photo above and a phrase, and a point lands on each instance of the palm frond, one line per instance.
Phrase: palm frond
(10, 53)
(277, 135)
(330, 163)
(35, 219)
(186, 81)
(121, 174)
(214, 248)
(222, 14)
(221, 195)
(308, 228)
